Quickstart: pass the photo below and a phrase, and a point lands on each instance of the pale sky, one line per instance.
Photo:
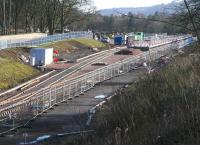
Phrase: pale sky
(104, 4)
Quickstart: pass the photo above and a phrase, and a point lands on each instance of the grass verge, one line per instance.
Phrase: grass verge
(72, 44)
(13, 73)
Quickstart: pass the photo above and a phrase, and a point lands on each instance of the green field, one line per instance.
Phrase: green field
(13, 73)
(90, 42)
(76, 43)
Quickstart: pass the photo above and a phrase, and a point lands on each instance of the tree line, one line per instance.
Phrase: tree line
(131, 23)
(184, 18)
(18, 16)
(31, 15)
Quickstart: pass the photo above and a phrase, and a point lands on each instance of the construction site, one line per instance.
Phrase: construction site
(67, 85)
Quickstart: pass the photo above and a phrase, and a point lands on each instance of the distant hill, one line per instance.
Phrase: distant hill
(139, 10)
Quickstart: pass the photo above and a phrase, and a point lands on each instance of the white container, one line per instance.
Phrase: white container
(41, 56)
(48, 59)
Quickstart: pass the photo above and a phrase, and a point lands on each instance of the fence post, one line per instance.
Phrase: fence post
(64, 87)
(50, 97)
(69, 91)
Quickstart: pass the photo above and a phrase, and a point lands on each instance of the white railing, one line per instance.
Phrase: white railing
(66, 89)
(39, 41)
(156, 41)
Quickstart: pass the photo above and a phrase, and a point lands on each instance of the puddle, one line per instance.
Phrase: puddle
(41, 138)
(100, 97)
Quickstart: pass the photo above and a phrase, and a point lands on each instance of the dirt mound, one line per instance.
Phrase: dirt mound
(136, 51)
(11, 54)
(15, 53)
(129, 52)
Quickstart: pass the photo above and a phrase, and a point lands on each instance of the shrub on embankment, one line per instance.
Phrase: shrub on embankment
(161, 109)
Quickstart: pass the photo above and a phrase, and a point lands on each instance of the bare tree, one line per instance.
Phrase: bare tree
(31, 15)
(188, 15)
(191, 17)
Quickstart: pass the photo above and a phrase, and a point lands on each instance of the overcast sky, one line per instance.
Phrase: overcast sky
(103, 4)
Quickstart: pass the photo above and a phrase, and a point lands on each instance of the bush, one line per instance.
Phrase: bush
(161, 109)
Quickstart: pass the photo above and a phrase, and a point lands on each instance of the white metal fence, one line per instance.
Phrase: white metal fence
(156, 41)
(39, 41)
(46, 99)
(49, 97)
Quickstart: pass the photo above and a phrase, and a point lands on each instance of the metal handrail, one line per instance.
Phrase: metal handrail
(43, 40)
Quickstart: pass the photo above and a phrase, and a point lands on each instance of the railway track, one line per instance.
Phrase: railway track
(35, 90)
(59, 90)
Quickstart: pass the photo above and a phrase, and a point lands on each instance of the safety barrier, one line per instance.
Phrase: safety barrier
(67, 89)
(39, 41)
(156, 41)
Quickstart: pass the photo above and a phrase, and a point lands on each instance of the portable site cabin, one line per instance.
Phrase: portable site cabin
(139, 36)
(120, 39)
(41, 56)
(136, 36)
